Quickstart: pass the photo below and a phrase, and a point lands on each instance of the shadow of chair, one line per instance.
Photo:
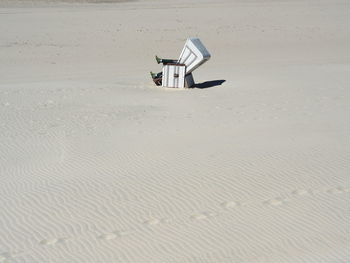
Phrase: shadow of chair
(208, 84)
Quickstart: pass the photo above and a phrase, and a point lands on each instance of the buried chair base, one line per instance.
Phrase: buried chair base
(174, 76)
(189, 81)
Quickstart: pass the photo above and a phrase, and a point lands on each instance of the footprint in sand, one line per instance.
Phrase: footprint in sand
(151, 222)
(122, 233)
(202, 216)
(114, 235)
(5, 256)
(336, 190)
(108, 236)
(230, 204)
(275, 202)
(156, 221)
(300, 192)
(199, 216)
(53, 241)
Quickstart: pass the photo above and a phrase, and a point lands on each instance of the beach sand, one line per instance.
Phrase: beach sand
(99, 165)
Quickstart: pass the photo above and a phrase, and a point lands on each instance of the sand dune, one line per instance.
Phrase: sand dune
(99, 165)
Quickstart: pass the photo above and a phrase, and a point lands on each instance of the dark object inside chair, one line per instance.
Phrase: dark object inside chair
(157, 78)
(158, 81)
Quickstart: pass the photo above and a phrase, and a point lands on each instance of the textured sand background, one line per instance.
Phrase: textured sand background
(98, 165)
(41, 3)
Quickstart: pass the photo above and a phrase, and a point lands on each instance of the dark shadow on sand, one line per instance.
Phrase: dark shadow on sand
(208, 84)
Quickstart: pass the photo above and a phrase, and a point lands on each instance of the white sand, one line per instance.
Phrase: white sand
(98, 165)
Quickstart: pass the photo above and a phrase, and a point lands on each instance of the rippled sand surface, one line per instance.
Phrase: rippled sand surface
(38, 3)
(99, 165)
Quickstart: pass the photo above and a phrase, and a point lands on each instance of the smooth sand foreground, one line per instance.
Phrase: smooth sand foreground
(98, 165)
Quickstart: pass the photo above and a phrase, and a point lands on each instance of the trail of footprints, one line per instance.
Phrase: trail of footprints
(201, 216)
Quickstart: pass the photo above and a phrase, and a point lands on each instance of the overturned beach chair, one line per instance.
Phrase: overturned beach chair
(178, 73)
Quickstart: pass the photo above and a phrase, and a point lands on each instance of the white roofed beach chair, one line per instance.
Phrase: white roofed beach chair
(178, 73)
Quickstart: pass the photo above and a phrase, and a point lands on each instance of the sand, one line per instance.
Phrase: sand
(99, 165)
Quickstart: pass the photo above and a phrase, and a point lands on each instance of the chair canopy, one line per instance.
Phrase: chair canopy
(193, 54)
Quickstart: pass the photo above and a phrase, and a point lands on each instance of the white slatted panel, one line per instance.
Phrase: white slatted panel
(174, 76)
(193, 54)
